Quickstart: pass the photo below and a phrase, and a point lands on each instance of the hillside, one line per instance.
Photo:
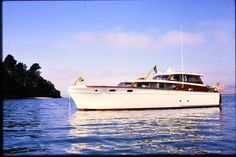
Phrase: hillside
(20, 82)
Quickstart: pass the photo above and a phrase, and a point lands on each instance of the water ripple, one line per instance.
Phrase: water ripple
(46, 127)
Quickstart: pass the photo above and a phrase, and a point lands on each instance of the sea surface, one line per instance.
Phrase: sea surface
(54, 126)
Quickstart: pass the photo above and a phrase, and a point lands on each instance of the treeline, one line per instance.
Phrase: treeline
(20, 82)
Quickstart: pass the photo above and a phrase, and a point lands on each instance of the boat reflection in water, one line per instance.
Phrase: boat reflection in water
(148, 131)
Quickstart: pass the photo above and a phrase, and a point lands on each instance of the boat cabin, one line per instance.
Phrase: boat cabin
(180, 78)
(170, 81)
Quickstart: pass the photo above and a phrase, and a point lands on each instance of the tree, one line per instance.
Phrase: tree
(20, 82)
(35, 69)
(9, 62)
(20, 67)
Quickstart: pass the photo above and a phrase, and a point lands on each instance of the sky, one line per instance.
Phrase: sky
(107, 42)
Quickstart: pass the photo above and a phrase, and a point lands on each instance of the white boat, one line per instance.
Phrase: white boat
(163, 91)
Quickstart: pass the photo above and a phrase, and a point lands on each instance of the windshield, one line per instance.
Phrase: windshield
(161, 77)
(125, 84)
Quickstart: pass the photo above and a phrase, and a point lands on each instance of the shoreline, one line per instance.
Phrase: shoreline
(37, 97)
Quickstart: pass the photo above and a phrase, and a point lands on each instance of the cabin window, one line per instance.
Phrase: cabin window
(128, 84)
(171, 86)
(147, 85)
(166, 86)
(185, 78)
(121, 84)
(161, 85)
(161, 77)
(165, 77)
(157, 77)
(154, 85)
(125, 84)
(143, 84)
(177, 77)
(193, 79)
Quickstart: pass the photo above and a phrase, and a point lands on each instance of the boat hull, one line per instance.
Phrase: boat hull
(134, 98)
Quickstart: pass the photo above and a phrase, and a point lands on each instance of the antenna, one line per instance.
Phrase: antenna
(182, 51)
(182, 56)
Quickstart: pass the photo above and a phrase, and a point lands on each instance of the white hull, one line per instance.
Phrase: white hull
(103, 98)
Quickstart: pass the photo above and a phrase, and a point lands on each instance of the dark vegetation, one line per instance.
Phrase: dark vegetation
(18, 82)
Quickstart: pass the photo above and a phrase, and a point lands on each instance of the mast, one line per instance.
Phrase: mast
(182, 51)
(182, 57)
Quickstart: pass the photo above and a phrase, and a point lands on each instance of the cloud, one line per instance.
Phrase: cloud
(209, 33)
(128, 39)
(120, 39)
(139, 40)
(174, 38)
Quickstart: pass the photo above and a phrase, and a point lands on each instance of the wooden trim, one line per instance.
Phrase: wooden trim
(94, 86)
(178, 88)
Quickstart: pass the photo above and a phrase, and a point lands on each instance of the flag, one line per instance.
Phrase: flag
(155, 69)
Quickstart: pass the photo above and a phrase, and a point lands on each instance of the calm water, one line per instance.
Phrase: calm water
(52, 126)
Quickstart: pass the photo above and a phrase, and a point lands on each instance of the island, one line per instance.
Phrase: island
(20, 82)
